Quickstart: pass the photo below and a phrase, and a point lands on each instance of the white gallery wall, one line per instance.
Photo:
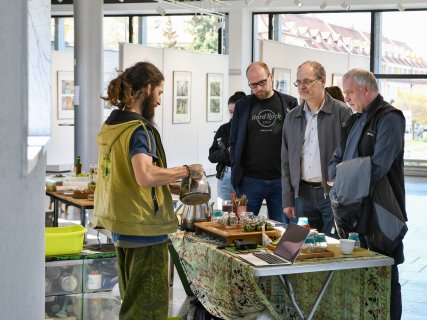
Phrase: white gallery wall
(60, 149)
(280, 55)
(188, 142)
(184, 142)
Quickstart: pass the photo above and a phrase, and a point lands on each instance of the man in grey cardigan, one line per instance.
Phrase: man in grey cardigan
(311, 133)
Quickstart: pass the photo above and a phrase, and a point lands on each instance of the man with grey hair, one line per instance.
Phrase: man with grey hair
(377, 130)
(311, 133)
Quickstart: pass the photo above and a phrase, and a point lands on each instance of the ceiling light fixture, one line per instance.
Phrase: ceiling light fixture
(268, 2)
(208, 7)
(345, 5)
(298, 3)
(121, 0)
(249, 2)
(400, 6)
(161, 11)
(219, 23)
(323, 5)
(197, 20)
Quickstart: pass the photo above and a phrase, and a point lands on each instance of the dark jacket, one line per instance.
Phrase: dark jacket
(238, 131)
(219, 153)
(367, 145)
(377, 141)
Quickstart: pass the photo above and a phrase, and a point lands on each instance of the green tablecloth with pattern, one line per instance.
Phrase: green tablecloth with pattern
(227, 289)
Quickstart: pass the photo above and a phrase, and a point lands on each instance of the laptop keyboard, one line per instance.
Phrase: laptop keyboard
(269, 258)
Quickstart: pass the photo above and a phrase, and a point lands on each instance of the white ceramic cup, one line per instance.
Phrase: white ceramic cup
(347, 246)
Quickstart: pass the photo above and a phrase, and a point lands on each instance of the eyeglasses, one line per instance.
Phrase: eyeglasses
(261, 83)
(305, 82)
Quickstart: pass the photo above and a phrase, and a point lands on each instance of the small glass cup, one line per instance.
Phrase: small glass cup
(227, 206)
(93, 172)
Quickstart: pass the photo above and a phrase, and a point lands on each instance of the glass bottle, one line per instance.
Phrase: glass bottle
(78, 166)
(354, 236)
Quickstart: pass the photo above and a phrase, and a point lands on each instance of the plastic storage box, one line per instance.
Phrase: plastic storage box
(101, 305)
(99, 274)
(63, 277)
(64, 307)
(64, 240)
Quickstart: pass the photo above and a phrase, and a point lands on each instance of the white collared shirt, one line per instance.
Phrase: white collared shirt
(311, 169)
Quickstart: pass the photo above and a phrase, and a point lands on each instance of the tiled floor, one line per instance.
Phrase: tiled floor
(413, 273)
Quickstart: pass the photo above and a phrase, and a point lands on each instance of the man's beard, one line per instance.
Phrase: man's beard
(148, 106)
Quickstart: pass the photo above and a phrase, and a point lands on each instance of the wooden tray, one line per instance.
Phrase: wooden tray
(229, 236)
(304, 255)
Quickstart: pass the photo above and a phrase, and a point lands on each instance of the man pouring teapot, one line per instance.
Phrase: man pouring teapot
(133, 195)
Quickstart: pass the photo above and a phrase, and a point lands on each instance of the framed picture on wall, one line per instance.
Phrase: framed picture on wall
(282, 80)
(181, 97)
(215, 84)
(337, 79)
(65, 95)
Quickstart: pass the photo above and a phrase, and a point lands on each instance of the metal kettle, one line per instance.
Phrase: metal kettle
(195, 191)
(195, 213)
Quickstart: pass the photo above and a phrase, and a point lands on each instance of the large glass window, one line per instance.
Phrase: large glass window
(404, 81)
(185, 32)
(402, 57)
(115, 30)
(345, 32)
(182, 32)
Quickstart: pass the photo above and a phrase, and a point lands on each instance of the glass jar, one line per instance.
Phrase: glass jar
(309, 244)
(233, 222)
(216, 218)
(321, 245)
(223, 221)
(354, 236)
(303, 221)
(262, 216)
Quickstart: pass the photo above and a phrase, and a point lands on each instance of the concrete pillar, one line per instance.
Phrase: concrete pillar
(88, 78)
(240, 49)
(25, 86)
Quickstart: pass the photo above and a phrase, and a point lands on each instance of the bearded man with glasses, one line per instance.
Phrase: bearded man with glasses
(255, 142)
(311, 133)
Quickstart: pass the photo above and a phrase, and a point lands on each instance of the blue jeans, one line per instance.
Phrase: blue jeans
(256, 190)
(224, 187)
(317, 208)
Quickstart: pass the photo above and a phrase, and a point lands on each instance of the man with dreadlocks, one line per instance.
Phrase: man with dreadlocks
(133, 197)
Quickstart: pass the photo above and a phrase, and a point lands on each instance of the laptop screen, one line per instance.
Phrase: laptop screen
(291, 242)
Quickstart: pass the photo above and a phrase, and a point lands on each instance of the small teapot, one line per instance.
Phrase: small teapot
(195, 191)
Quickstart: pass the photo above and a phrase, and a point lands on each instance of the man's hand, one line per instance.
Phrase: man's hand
(290, 212)
(196, 171)
(330, 183)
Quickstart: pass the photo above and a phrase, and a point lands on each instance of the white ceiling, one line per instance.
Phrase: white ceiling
(255, 6)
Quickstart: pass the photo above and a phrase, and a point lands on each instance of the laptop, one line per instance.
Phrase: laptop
(286, 250)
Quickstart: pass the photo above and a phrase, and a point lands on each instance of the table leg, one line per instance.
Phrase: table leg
(83, 218)
(83, 221)
(321, 293)
(55, 212)
(291, 293)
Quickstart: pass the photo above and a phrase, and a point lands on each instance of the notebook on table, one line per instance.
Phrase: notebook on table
(286, 251)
